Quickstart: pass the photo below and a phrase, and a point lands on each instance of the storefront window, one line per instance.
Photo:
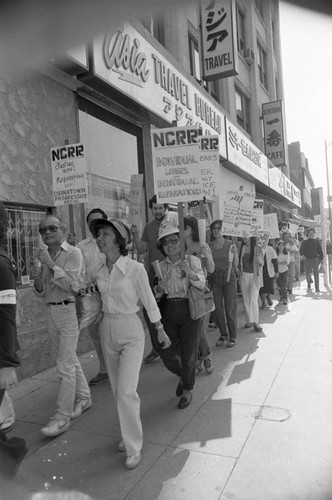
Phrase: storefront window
(23, 239)
(113, 150)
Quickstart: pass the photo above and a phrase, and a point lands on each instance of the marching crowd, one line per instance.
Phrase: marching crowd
(97, 285)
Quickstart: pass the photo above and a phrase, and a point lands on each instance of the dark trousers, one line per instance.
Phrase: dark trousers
(312, 265)
(224, 294)
(12, 452)
(180, 358)
(152, 329)
(282, 285)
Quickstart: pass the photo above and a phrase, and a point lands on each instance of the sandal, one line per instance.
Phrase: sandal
(231, 343)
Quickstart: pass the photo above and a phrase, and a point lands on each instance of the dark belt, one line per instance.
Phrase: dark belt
(63, 303)
(177, 299)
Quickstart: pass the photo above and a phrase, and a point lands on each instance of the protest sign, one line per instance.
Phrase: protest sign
(271, 225)
(293, 228)
(238, 209)
(135, 199)
(257, 223)
(69, 175)
(176, 163)
(209, 163)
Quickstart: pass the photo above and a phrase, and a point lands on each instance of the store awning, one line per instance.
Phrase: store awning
(303, 220)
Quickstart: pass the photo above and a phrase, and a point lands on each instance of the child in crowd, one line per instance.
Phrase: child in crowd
(283, 261)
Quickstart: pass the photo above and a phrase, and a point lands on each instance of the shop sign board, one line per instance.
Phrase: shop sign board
(243, 153)
(257, 222)
(69, 175)
(176, 156)
(130, 63)
(218, 39)
(271, 225)
(283, 185)
(238, 212)
(274, 132)
(135, 199)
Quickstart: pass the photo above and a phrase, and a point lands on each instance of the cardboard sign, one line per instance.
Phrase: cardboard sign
(135, 199)
(238, 210)
(209, 162)
(176, 156)
(257, 223)
(271, 225)
(69, 175)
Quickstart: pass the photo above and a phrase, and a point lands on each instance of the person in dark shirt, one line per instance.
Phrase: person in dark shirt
(12, 450)
(312, 251)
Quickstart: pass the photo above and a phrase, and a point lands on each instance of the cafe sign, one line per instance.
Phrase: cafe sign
(274, 133)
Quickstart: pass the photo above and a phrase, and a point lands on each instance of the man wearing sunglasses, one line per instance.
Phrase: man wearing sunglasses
(61, 271)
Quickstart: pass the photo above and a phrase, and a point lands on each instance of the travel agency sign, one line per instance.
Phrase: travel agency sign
(130, 63)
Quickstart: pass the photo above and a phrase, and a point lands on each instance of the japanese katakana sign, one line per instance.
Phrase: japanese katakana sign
(219, 58)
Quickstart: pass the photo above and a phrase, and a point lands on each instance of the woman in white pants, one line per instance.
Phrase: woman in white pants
(251, 263)
(122, 282)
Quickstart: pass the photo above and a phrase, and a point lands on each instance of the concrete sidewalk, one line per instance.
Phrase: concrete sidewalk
(259, 427)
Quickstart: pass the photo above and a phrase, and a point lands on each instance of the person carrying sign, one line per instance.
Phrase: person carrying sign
(148, 242)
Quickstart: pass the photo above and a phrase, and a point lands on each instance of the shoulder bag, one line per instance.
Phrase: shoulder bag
(200, 301)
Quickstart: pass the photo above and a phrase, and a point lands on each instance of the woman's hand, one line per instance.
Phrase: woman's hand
(186, 268)
(163, 338)
(161, 287)
(204, 250)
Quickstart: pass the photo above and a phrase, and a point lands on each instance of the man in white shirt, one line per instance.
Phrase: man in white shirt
(93, 261)
(61, 270)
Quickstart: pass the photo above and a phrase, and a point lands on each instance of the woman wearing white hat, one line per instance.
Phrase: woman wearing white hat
(183, 332)
(122, 282)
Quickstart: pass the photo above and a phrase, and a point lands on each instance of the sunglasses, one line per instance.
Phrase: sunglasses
(52, 229)
(172, 241)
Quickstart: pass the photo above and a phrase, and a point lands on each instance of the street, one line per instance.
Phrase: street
(259, 427)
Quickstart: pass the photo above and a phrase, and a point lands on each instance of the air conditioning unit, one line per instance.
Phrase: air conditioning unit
(249, 56)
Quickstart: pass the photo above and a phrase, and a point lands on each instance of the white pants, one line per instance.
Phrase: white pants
(250, 292)
(63, 328)
(122, 342)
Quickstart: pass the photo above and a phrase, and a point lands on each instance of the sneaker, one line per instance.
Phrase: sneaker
(220, 341)
(98, 379)
(151, 356)
(56, 426)
(285, 302)
(248, 325)
(199, 366)
(212, 325)
(7, 413)
(208, 366)
(133, 461)
(231, 343)
(80, 406)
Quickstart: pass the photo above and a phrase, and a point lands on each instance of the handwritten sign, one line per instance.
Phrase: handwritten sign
(238, 210)
(257, 223)
(69, 175)
(271, 225)
(176, 163)
(135, 199)
(209, 163)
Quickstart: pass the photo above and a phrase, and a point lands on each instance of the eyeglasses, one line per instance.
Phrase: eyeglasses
(172, 241)
(52, 229)
(216, 228)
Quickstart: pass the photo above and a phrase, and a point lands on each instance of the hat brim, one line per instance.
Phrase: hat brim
(121, 229)
(168, 231)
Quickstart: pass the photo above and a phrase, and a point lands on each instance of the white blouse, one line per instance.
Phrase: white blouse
(124, 286)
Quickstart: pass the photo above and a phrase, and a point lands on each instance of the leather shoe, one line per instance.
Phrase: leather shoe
(133, 461)
(179, 389)
(185, 402)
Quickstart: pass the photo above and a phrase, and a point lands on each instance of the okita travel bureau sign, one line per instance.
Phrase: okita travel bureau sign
(69, 175)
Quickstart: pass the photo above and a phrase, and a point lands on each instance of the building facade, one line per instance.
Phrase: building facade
(109, 95)
(300, 175)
